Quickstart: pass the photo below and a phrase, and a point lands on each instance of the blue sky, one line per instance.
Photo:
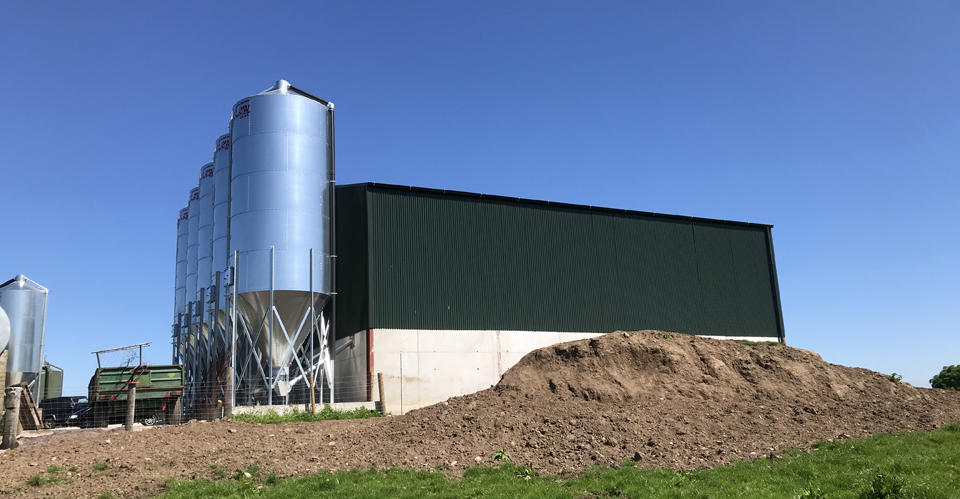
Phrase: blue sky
(837, 122)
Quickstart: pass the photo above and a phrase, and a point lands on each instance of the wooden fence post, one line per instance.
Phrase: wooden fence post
(383, 403)
(228, 395)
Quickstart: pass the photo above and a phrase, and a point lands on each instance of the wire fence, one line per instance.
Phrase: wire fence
(198, 400)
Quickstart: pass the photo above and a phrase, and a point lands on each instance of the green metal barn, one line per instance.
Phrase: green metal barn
(442, 291)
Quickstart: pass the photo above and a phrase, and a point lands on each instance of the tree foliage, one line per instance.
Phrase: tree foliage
(948, 379)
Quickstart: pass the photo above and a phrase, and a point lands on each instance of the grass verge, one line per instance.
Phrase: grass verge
(904, 466)
(325, 414)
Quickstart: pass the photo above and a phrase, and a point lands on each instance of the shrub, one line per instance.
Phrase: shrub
(948, 379)
(896, 378)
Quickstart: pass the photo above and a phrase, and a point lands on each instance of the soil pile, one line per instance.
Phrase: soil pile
(670, 400)
(654, 398)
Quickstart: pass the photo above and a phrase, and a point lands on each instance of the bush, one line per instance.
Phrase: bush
(948, 379)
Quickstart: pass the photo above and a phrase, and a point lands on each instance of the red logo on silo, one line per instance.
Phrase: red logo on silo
(206, 171)
(223, 143)
(194, 194)
(242, 109)
(184, 214)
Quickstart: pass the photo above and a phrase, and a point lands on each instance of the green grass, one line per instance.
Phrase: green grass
(325, 414)
(49, 477)
(218, 472)
(100, 466)
(905, 466)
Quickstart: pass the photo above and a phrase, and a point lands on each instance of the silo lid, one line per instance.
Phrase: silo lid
(283, 87)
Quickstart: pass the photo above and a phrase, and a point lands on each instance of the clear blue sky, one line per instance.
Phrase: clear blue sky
(837, 122)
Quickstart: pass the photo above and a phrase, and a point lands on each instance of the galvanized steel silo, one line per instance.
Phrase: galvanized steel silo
(193, 232)
(221, 213)
(180, 288)
(4, 330)
(205, 239)
(180, 298)
(25, 303)
(280, 199)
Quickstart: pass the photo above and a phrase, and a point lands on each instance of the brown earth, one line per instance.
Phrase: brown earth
(658, 399)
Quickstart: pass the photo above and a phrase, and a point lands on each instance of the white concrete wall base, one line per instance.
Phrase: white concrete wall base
(425, 367)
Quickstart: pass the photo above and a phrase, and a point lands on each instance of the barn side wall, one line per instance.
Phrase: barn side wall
(415, 259)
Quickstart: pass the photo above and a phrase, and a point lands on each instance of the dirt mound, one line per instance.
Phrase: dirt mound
(671, 400)
(658, 399)
(629, 368)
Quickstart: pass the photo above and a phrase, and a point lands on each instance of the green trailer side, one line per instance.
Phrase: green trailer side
(159, 389)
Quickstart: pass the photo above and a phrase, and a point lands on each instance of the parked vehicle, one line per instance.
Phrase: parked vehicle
(57, 411)
(82, 418)
(158, 394)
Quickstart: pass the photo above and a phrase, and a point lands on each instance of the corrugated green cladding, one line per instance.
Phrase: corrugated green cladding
(421, 259)
(353, 299)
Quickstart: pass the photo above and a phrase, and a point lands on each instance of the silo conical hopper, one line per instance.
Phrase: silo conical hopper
(25, 304)
(279, 211)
